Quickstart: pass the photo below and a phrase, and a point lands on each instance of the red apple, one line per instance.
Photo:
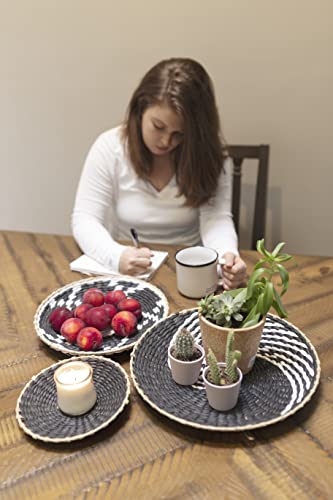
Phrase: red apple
(81, 310)
(114, 296)
(98, 317)
(110, 309)
(58, 316)
(94, 297)
(132, 305)
(124, 323)
(70, 329)
(89, 339)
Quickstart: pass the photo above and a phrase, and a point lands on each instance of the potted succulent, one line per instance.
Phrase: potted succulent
(244, 309)
(185, 358)
(223, 380)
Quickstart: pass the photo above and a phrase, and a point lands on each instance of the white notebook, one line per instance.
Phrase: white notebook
(87, 265)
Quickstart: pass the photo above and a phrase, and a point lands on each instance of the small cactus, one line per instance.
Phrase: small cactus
(184, 345)
(231, 358)
(214, 375)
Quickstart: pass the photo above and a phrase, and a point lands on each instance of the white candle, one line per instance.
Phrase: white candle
(75, 388)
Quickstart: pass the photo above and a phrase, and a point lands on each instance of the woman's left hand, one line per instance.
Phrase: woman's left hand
(234, 272)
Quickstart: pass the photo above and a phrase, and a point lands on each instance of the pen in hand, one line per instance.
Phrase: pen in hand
(134, 237)
(145, 253)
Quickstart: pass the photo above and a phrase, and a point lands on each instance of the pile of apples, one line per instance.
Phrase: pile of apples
(97, 312)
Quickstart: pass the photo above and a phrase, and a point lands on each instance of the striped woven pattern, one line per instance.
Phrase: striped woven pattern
(153, 301)
(284, 377)
(37, 410)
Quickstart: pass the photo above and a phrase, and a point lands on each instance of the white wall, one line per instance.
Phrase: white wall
(68, 69)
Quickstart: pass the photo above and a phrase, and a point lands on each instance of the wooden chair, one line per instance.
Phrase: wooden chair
(238, 155)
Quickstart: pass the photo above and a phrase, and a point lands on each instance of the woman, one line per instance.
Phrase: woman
(165, 172)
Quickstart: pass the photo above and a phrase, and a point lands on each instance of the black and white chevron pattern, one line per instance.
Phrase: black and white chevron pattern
(284, 377)
(282, 345)
(153, 301)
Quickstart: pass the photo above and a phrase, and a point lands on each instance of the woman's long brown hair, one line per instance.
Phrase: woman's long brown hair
(198, 160)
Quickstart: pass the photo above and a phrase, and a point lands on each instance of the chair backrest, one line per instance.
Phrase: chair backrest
(238, 155)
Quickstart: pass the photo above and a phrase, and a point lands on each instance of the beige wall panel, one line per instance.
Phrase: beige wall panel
(68, 69)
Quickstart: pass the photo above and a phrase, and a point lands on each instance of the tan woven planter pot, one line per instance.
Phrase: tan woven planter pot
(246, 340)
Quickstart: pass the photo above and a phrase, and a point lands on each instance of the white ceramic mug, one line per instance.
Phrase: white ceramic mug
(197, 271)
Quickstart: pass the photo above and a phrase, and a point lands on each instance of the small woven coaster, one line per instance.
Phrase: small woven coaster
(154, 307)
(284, 377)
(37, 410)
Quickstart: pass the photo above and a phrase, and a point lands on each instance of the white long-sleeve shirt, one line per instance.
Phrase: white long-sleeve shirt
(111, 199)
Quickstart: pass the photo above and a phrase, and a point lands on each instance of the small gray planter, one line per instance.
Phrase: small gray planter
(222, 397)
(185, 372)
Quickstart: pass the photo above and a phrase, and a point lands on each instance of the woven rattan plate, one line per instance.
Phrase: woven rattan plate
(284, 377)
(37, 410)
(153, 301)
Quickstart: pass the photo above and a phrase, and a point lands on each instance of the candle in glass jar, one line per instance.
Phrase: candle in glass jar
(75, 388)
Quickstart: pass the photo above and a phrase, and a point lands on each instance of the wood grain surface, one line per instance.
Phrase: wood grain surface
(142, 454)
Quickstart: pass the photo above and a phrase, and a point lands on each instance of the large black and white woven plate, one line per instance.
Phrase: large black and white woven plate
(154, 308)
(284, 377)
(38, 414)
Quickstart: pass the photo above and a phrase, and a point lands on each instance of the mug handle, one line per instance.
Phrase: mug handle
(221, 261)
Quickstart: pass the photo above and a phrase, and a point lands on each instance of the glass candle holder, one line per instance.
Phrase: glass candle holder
(75, 388)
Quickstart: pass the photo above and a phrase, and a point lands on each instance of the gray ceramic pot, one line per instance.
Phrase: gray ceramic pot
(222, 397)
(185, 372)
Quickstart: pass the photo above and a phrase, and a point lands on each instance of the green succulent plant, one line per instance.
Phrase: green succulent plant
(223, 309)
(245, 307)
(231, 359)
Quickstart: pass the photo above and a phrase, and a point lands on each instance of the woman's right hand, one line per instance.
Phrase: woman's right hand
(134, 261)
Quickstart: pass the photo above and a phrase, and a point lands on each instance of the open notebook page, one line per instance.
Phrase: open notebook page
(87, 265)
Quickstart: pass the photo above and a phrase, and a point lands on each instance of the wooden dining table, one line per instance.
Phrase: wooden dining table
(143, 454)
